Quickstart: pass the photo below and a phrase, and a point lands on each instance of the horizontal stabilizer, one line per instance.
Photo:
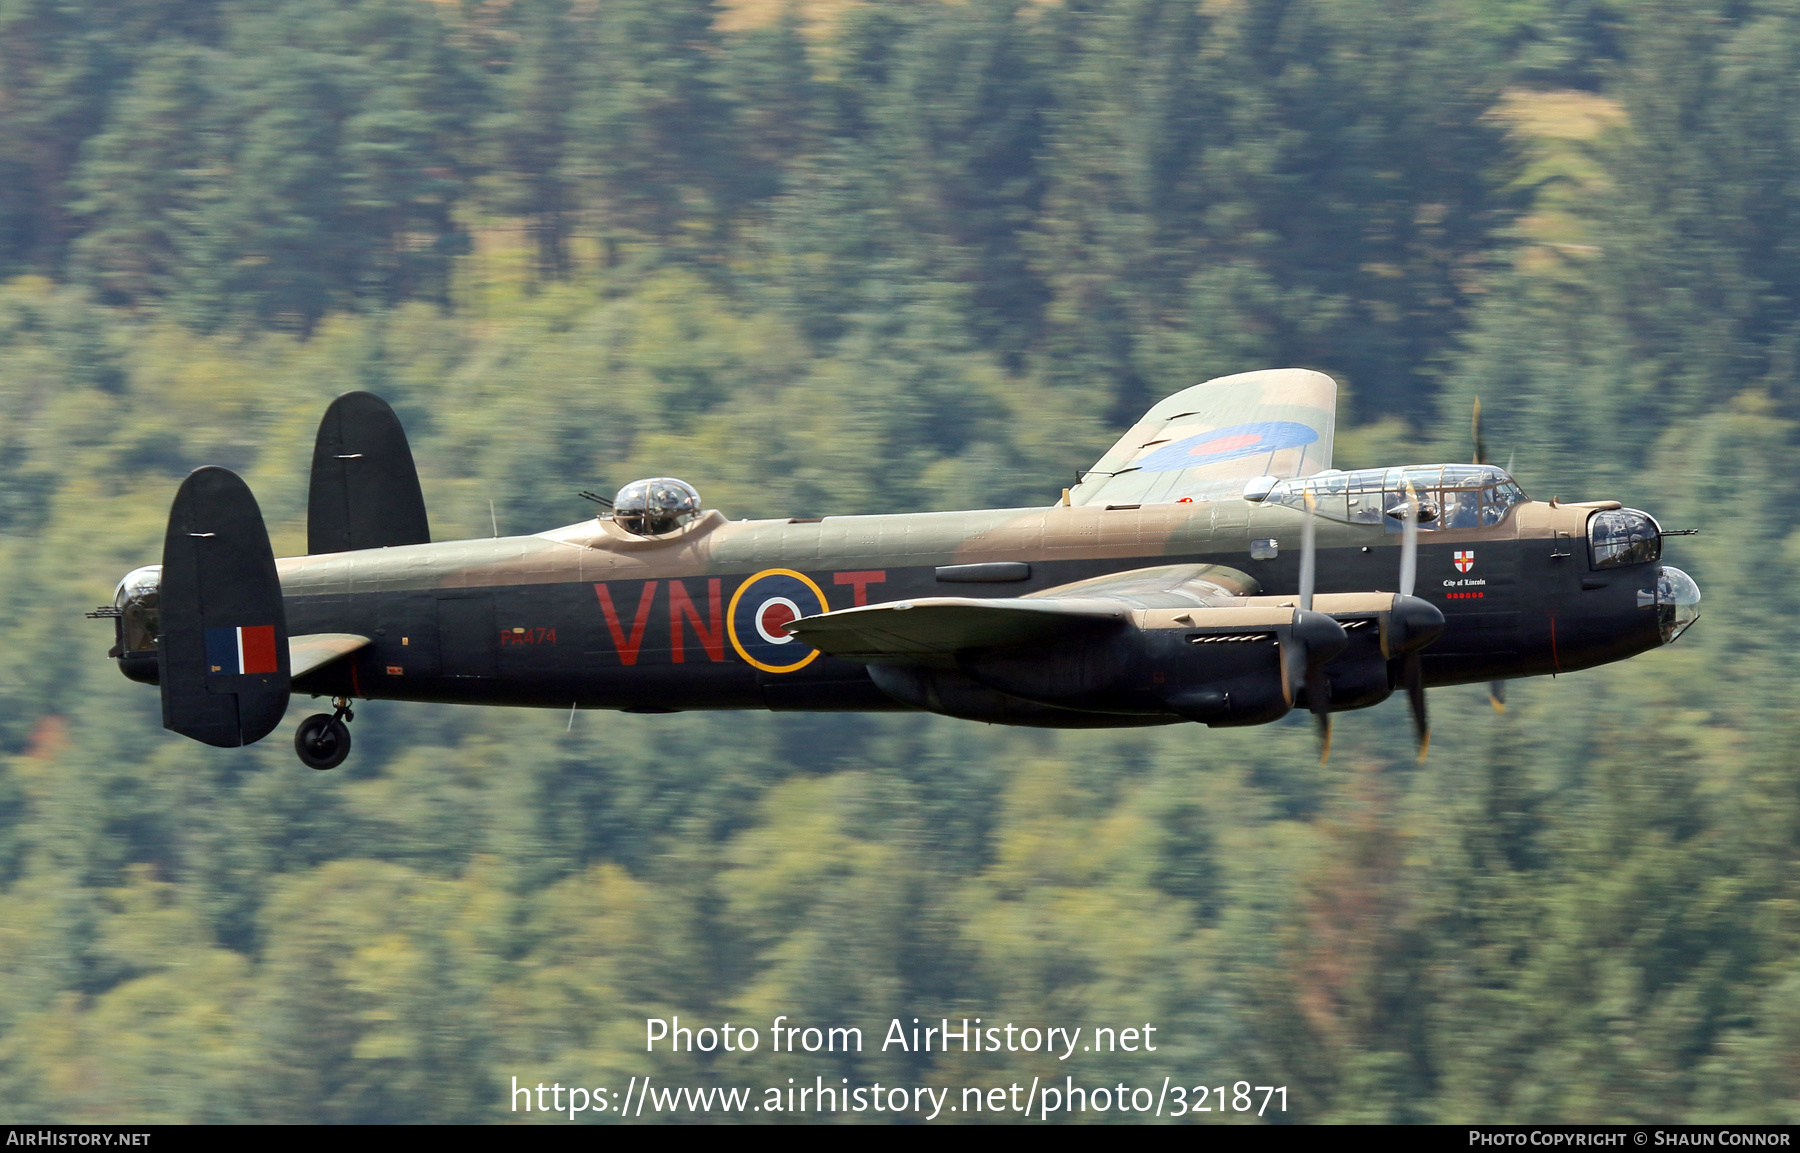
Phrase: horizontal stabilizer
(1204, 442)
(223, 652)
(316, 650)
(365, 489)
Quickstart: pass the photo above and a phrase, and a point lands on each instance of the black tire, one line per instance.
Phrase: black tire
(322, 741)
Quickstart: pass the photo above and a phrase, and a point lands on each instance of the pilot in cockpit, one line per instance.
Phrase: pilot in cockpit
(1461, 508)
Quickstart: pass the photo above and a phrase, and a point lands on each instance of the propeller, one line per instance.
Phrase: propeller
(1496, 689)
(1412, 672)
(1413, 624)
(1409, 542)
(1410, 625)
(1318, 686)
(1309, 558)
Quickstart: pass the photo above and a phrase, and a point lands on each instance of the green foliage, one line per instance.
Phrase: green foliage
(924, 256)
(1293, 182)
(531, 135)
(314, 163)
(656, 151)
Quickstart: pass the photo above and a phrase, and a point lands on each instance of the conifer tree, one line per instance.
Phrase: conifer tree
(530, 134)
(57, 69)
(767, 75)
(655, 151)
(143, 180)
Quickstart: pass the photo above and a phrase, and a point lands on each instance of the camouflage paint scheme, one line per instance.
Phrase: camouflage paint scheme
(593, 616)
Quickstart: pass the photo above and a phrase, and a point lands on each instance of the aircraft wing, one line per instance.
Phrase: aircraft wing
(316, 650)
(932, 629)
(1206, 441)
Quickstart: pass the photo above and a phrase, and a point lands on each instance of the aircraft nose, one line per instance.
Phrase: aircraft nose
(1677, 600)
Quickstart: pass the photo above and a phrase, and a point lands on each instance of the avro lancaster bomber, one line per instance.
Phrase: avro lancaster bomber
(1212, 567)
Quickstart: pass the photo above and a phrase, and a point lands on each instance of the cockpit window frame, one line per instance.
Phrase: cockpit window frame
(1365, 496)
(138, 599)
(656, 506)
(1628, 544)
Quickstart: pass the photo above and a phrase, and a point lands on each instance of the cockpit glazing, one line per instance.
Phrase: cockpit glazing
(1450, 496)
(139, 613)
(1622, 537)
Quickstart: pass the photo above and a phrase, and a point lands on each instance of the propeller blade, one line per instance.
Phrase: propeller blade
(1414, 675)
(1497, 695)
(1318, 687)
(1409, 544)
(1412, 668)
(1308, 556)
(1475, 434)
(1318, 699)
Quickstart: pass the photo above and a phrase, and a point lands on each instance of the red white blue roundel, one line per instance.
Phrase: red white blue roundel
(1222, 444)
(761, 607)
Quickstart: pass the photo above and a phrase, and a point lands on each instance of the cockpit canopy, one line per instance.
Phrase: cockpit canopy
(1449, 495)
(656, 506)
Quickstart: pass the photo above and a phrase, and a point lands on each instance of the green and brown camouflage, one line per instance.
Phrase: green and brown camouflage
(1165, 586)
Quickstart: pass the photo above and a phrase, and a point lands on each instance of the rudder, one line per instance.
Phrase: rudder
(365, 490)
(223, 652)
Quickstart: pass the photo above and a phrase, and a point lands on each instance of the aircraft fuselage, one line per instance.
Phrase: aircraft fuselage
(590, 615)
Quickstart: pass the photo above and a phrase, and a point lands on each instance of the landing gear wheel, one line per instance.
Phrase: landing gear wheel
(322, 741)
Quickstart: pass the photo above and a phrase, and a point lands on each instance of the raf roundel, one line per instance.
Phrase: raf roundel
(761, 608)
(1222, 444)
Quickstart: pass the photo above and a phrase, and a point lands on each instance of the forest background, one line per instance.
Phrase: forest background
(841, 257)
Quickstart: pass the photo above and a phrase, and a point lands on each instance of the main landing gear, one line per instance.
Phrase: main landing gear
(324, 741)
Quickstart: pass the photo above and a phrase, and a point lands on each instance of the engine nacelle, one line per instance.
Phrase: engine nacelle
(1245, 663)
(1239, 665)
(1362, 675)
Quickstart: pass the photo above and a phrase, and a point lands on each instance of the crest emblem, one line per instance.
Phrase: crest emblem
(1465, 559)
